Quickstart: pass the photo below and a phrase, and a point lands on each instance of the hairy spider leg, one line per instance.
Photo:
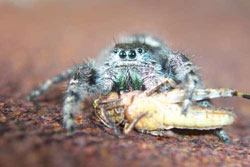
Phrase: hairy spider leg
(81, 84)
(221, 134)
(185, 72)
(44, 87)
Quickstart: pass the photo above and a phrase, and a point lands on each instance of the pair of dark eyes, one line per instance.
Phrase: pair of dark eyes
(131, 53)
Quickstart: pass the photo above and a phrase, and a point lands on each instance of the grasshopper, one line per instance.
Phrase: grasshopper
(154, 113)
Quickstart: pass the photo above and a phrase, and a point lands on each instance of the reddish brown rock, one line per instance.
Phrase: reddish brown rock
(40, 40)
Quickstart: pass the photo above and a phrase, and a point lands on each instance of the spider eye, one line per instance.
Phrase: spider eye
(140, 50)
(122, 54)
(131, 54)
(115, 50)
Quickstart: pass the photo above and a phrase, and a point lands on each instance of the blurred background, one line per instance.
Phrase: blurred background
(41, 38)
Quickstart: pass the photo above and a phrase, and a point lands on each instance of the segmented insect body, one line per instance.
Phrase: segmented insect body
(162, 111)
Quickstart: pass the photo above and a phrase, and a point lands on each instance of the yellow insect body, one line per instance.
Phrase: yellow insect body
(161, 115)
(164, 110)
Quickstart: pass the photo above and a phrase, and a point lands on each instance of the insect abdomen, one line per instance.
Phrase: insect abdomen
(162, 115)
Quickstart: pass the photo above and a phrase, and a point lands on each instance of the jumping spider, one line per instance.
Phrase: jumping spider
(137, 62)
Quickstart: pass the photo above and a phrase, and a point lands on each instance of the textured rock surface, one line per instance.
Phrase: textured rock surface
(40, 40)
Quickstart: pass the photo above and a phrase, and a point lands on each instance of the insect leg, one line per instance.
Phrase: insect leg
(129, 127)
(221, 134)
(201, 94)
(243, 95)
(57, 79)
(105, 105)
(162, 133)
(170, 81)
(111, 124)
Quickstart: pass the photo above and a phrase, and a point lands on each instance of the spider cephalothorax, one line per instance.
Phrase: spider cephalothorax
(130, 66)
(137, 62)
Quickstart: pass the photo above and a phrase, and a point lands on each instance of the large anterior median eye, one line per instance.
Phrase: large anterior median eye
(122, 54)
(131, 54)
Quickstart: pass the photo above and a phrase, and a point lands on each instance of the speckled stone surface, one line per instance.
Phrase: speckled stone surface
(39, 40)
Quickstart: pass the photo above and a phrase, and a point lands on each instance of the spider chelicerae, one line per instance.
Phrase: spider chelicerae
(136, 62)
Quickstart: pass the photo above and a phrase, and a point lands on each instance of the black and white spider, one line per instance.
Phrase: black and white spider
(137, 62)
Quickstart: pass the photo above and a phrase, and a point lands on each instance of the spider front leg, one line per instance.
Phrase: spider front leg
(83, 82)
(190, 83)
(50, 82)
(75, 93)
(185, 73)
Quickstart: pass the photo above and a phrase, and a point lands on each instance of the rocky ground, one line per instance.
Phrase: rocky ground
(39, 40)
